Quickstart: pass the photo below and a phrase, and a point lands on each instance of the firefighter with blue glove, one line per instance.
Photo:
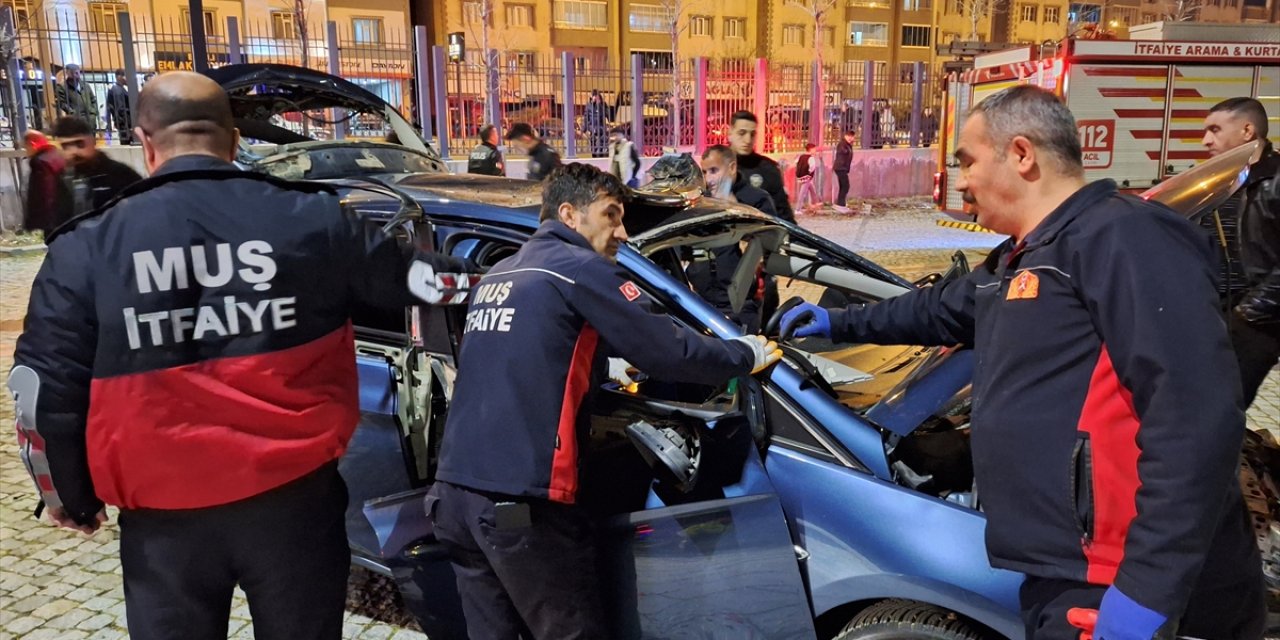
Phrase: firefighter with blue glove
(1107, 459)
(506, 501)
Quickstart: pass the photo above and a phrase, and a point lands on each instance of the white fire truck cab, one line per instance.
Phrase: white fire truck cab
(1139, 104)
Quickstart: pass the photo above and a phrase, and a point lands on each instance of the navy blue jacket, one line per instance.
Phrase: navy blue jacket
(192, 342)
(526, 370)
(1106, 418)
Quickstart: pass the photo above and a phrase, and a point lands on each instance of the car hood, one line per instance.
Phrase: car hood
(259, 92)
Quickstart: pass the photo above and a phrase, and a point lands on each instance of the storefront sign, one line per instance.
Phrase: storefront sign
(182, 61)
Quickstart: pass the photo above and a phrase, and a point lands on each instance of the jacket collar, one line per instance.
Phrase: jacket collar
(1069, 210)
(194, 162)
(1266, 165)
(560, 231)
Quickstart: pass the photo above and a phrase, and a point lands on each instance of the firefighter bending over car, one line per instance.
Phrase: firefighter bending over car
(188, 357)
(538, 332)
(1107, 462)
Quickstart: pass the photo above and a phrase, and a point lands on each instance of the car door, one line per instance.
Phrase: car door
(719, 560)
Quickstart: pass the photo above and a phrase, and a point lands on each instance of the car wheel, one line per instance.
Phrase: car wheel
(907, 620)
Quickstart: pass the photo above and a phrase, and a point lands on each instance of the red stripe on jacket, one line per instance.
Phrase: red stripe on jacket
(1112, 424)
(564, 464)
(222, 430)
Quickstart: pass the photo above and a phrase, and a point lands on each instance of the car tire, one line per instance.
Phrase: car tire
(908, 620)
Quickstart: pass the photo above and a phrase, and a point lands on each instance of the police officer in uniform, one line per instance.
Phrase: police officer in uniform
(541, 324)
(485, 158)
(542, 158)
(188, 357)
(762, 172)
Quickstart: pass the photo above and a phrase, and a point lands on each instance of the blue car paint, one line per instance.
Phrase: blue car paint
(901, 413)
(377, 387)
(919, 543)
(909, 546)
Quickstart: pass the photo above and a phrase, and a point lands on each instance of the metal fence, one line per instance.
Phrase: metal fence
(573, 103)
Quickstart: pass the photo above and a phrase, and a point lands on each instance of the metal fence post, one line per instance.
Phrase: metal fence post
(199, 44)
(233, 40)
(637, 101)
(817, 106)
(335, 69)
(917, 100)
(422, 78)
(130, 66)
(700, 106)
(438, 74)
(761, 103)
(494, 103)
(14, 86)
(567, 106)
(868, 103)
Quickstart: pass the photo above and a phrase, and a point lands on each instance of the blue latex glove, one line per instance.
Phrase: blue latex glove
(807, 319)
(1121, 618)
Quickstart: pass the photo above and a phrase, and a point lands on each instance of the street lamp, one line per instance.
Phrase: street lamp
(457, 52)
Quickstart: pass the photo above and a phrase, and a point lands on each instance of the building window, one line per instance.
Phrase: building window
(655, 60)
(828, 36)
(1126, 15)
(473, 11)
(21, 12)
(1027, 12)
(104, 16)
(581, 64)
(869, 34)
(283, 26)
(526, 61)
(519, 15)
(916, 35)
(1052, 15)
(210, 23)
(1084, 13)
(700, 26)
(367, 30)
(735, 28)
(870, 4)
(582, 14)
(650, 18)
(1147, 17)
(917, 5)
(950, 36)
(793, 34)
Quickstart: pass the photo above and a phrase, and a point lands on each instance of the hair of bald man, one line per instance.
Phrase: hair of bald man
(194, 120)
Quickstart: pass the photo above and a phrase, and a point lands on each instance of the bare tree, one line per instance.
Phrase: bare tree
(676, 20)
(820, 11)
(490, 65)
(1181, 10)
(978, 11)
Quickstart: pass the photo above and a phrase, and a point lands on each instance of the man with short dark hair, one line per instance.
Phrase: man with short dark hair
(485, 159)
(760, 171)
(188, 357)
(542, 158)
(75, 98)
(119, 114)
(1107, 464)
(1246, 230)
(95, 178)
(506, 497)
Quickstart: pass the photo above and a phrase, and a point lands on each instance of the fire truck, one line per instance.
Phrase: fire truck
(1139, 103)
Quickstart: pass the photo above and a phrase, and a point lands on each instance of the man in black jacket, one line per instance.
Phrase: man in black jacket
(542, 158)
(485, 158)
(118, 113)
(49, 201)
(762, 172)
(95, 178)
(1247, 231)
(841, 165)
(187, 356)
(1108, 465)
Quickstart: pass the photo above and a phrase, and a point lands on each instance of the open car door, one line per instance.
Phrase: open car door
(691, 538)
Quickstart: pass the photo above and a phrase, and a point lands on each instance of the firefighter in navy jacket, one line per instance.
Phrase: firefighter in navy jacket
(505, 500)
(188, 356)
(1106, 423)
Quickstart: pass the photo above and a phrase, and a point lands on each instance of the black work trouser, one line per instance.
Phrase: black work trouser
(1227, 613)
(286, 548)
(532, 577)
(842, 179)
(1257, 351)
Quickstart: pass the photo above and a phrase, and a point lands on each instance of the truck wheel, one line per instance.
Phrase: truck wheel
(907, 620)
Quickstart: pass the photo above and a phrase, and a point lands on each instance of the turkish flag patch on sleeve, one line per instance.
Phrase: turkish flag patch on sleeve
(630, 291)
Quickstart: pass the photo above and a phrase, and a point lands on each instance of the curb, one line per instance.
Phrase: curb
(17, 251)
(964, 226)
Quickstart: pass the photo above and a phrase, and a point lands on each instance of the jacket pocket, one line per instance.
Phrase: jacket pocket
(1082, 485)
